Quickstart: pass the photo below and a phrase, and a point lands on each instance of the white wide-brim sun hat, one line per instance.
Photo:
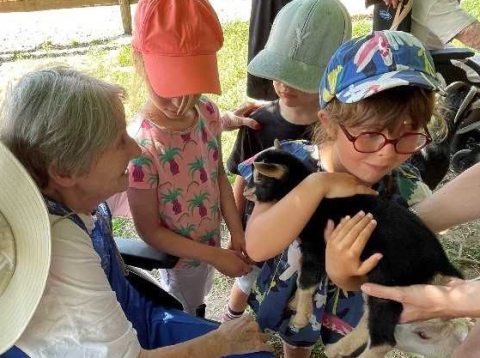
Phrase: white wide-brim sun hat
(25, 250)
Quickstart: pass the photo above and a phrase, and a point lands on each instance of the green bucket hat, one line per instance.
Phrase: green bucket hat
(304, 35)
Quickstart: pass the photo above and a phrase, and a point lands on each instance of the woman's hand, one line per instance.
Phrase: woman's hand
(341, 185)
(231, 263)
(345, 244)
(243, 336)
(420, 302)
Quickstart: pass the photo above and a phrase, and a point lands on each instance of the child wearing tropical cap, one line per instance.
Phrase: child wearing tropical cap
(376, 97)
(300, 44)
(178, 191)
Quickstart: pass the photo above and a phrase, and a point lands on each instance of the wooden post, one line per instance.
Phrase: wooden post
(126, 16)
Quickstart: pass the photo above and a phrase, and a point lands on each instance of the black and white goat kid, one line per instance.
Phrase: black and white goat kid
(411, 252)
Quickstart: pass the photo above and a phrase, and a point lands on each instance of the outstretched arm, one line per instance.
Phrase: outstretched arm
(238, 336)
(229, 210)
(144, 207)
(422, 302)
(455, 203)
(470, 35)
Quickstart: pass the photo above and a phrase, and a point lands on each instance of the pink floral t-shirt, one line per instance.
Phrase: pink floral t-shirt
(183, 167)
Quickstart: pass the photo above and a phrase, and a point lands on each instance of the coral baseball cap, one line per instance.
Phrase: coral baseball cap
(376, 62)
(178, 40)
(304, 35)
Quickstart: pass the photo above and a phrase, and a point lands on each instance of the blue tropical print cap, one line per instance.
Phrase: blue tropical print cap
(373, 63)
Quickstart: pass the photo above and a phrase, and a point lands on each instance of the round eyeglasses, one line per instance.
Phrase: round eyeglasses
(371, 142)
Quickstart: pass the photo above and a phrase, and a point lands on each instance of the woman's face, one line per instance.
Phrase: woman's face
(108, 175)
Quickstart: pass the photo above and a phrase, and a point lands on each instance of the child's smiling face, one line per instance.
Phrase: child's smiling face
(370, 168)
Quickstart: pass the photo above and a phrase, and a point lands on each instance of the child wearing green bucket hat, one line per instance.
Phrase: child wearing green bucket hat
(376, 97)
(304, 35)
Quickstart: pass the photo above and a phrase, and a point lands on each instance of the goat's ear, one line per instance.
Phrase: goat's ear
(276, 144)
(271, 170)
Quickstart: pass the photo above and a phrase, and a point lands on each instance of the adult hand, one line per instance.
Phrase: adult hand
(345, 244)
(341, 185)
(231, 263)
(239, 117)
(243, 336)
(420, 302)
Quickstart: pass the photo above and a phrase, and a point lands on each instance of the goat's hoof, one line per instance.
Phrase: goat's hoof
(300, 321)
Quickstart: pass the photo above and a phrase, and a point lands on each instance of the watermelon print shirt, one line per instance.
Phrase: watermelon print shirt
(183, 167)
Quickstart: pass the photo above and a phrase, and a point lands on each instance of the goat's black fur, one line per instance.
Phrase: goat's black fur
(411, 252)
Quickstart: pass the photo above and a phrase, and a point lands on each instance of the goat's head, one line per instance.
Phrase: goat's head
(275, 173)
(433, 338)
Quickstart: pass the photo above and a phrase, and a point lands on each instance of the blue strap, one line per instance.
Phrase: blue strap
(14, 352)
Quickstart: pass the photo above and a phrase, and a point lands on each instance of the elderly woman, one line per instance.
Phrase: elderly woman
(68, 130)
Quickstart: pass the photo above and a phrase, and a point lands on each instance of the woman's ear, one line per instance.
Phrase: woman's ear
(60, 179)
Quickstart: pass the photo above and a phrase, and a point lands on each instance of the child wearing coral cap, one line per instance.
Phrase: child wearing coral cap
(178, 190)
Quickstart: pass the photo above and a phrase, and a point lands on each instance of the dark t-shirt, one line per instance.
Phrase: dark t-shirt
(249, 142)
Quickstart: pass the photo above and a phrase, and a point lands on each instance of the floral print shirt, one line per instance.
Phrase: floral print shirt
(183, 167)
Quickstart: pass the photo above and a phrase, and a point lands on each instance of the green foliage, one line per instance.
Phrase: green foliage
(46, 46)
(124, 56)
(472, 6)
(123, 228)
(361, 27)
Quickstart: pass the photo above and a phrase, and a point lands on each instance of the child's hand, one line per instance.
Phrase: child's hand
(345, 244)
(239, 117)
(237, 242)
(341, 185)
(231, 263)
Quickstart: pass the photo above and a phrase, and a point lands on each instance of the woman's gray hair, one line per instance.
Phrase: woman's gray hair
(60, 117)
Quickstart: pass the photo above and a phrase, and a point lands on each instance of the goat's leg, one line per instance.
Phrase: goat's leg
(382, 319)
(304, 307)
(311, 271)
(351, 342)
(293, 303)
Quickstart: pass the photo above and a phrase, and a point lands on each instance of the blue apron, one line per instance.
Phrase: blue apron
(155, 326)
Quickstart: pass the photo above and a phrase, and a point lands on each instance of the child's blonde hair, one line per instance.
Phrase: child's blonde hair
(382, 111)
